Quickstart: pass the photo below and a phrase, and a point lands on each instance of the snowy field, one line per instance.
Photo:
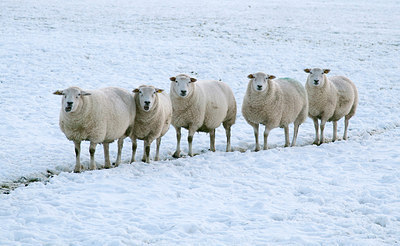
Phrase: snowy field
(342, 193)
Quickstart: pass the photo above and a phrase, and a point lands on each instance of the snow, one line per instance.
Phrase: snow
(342, 193)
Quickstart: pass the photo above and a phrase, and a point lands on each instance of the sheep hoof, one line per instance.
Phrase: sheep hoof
(78, 169)
(176, 155)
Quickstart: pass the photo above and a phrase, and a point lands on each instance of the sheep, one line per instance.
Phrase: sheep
(274, 103)
(98, 116)
(201, 106)
(153, 119)
(330, 99)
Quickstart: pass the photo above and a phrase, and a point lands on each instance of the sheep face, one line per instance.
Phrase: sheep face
(72, 98)
(182, 85)
(147, 96)
(316, 76)
(259, 81)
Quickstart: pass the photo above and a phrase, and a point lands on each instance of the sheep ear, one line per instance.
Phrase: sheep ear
(58, 92)
(271, 77)
(84, 93)
(159, 90)
(250, 76)
(307, 70)
(193, 80)
(172, 79)
(327, 70)
(135, 90)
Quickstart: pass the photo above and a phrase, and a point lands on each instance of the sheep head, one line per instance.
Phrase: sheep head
(72, 98)
(259, 81)
(182, 85)
(316, 76)
(147, 96)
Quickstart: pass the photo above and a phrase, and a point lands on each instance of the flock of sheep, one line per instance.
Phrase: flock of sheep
(108, 114)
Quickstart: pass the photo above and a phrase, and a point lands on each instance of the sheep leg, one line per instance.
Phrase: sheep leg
(107, 163)
(190, 141)
(295, 132)
(212, 140)
(316, 126)
(178, 142)
(77, 156)
(92, 150)
(228, 138)
(146, 153)
(346, 125)
(120, 145)
(158, 143)
(134, 147)
(322, 126)
(255, 128)
(334, 123)
(287, 142)
(266, 133)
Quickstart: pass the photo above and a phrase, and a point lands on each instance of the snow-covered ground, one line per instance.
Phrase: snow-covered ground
(342, 193)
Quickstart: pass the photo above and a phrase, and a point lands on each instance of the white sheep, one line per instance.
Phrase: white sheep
(153, 118)
(201, 106)
(330, 99)
(274, 103)
(98, 116)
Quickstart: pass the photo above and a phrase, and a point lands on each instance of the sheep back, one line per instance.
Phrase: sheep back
(347, 97)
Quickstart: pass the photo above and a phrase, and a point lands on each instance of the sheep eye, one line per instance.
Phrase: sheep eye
(79, 94)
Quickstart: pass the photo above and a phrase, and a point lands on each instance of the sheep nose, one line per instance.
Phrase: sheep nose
(259, 87)
(69, 103)
(147, 103)
(316, 81)
(183, 92)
